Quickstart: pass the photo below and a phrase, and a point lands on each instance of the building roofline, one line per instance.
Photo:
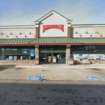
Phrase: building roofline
(51, 12)
(78, 25)
(17, 26)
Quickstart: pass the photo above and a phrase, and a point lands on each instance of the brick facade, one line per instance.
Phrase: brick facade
(67, 53)
(37, 54)
(17, 61)
(92, 62)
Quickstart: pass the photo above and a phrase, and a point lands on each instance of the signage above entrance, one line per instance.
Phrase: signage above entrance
(46, 27)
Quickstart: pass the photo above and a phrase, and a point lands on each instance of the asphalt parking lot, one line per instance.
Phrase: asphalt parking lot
(51, 73)
(60, 86)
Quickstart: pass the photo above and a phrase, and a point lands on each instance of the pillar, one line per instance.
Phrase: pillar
(36, 54)
(69, 30)
(37, 29)
(67, 53)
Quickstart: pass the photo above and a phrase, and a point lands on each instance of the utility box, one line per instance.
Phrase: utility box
(71, 61)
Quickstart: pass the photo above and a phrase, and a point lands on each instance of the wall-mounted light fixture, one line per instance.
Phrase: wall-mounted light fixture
(80, 35)
(26, 36)
(11, 33)
(76, 32)
(20, 33)
(29, 33)
(1, 33)
(91, 35)
(16, 36)
(101, 35)
(86, 32)
(97, 32)
(7, 36)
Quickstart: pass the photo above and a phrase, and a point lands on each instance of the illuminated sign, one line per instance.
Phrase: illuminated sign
(46, 27)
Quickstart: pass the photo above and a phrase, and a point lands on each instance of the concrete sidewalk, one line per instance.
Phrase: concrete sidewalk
(53, 65)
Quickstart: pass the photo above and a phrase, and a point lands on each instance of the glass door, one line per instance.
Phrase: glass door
(48, 57)
(62, 58)
(55, 58)
(42, 57)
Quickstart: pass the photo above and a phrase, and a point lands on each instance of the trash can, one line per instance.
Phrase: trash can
(71, 61)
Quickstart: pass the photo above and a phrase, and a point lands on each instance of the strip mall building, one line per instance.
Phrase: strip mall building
(53, 39)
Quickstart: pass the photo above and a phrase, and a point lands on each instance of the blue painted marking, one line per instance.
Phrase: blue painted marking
(35, 78)
(93, 78)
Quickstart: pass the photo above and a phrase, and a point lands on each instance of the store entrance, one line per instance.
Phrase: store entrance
(58, 58)
(52, 58)
(52, 54)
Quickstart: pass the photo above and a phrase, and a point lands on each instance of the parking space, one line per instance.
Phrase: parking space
(61, 74)
(52, 73)
(11, 73)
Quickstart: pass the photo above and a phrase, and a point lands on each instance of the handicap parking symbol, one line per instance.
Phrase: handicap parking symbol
(93, 78)
(35, 78)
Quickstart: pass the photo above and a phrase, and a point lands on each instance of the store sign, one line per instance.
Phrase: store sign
(32, 52)
(36, 53)
(46, 27)
(68, 54)
(24, 50)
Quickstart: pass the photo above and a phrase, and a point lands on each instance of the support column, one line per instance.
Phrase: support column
(67, 53)
(69, 30)
(36, 54)
(37, 29)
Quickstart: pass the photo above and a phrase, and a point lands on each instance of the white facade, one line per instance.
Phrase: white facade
(17, 32)
(88, 31)
(53, 19)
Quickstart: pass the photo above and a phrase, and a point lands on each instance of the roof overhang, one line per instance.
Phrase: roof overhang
(75, 43)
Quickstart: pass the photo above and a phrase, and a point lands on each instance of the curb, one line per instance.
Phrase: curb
(23, 66)
(48, 67)
(84, 67)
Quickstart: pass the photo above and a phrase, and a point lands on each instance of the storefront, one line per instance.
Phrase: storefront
(91, 52)
(17, 53)
(52, 54)
(52, 40)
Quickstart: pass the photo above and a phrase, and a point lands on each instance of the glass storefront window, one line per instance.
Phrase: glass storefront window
(42, 48)
(48, 48)
(91, 52)
(42, 57)
(18, 53)
(89, 49)
(17, 57)
(55, 48)
(62, 48)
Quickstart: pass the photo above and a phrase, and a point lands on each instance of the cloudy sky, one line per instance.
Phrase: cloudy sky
(25, 12)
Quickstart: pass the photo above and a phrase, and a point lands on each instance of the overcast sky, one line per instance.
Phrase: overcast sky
(25, 12)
